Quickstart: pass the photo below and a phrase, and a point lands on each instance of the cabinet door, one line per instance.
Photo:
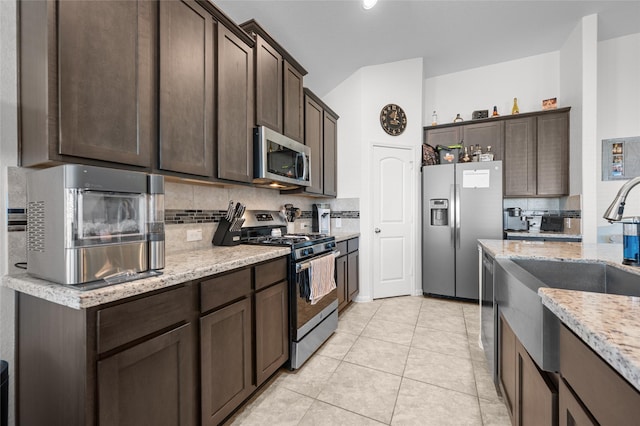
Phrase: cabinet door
(485, 134)
(313, 137)
(330, 130)
(268, 85)
(107, 86)
(186, 88)
(151, 383)
(341, 281)
(571, 412)
(272, 330)
(293, 103)
(553, 154)
(235, 107)
(446, 136)
(520, 157)
(507, 365)
(225, 360)
(537, 397)
(353, 273)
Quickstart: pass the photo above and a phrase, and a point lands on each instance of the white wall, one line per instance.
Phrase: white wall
(529, 79)
(361, 97)
(618, 115)
(8, 157)
(578, 84)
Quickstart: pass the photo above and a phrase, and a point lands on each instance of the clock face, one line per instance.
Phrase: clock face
(393, 119)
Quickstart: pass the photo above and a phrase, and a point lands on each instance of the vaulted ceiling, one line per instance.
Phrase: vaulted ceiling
(332, 39)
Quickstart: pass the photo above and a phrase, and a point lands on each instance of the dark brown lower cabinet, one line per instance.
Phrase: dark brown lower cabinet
(226, 360)
(571, 412)
(347, 271)
(136, 361)
(530, 395)
(272, 330)
(602, 396)
(537, 396)
(352, 272)
(507, 368)
(341, 281)
(150, 383)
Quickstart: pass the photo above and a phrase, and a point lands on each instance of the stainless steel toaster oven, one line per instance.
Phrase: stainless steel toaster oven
(88, 223)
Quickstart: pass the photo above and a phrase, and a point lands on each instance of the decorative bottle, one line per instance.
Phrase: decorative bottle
(465, 158)
(495, 112)
(515, 109)
(457, 119)
(434, 119)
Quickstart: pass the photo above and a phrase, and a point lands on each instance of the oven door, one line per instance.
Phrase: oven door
(311, 325)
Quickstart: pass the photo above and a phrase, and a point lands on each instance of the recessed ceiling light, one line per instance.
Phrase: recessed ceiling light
(368, 4)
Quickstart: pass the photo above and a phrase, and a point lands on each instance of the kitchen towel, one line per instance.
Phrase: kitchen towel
(322, 281)
(304, 286)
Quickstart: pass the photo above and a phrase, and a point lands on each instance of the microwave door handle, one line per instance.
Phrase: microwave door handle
(305, 172)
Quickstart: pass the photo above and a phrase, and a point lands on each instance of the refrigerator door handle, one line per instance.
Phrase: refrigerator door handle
(452, 228)
(457, 220)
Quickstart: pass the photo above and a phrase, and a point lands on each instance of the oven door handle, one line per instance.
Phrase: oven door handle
(305, 265)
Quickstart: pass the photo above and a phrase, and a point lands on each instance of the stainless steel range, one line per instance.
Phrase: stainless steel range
(310, 324)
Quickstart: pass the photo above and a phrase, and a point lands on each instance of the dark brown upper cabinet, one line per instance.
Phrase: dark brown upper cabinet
(313, 138)
(187, 68)
(268, 65)
(520, 157)
(487, 134)
(330, 155)
(293, 102)
(88, 82)
(235, 107)
(534, 147)
(278, 84)
(321, 135)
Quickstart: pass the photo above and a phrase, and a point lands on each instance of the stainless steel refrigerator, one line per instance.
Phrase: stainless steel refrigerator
(461, 203)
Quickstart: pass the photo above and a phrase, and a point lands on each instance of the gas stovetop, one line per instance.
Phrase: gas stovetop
(268, 228)
(288, 240)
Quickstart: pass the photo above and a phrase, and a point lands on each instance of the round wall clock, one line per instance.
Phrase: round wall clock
(393, 119)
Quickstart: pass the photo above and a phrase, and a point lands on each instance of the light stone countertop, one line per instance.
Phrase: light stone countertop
(575, 252)
(542, 234)
(179, 268)
(343, 236)
(609, 324)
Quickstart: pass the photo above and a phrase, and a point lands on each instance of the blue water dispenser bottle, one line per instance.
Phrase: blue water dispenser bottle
(631, 240)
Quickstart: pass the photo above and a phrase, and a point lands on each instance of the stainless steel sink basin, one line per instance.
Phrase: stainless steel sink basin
(516, 284)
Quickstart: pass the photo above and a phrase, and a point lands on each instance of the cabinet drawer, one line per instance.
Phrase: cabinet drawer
(606, 394)
(271, 273)
(353, 244)
(129, 321)
(342, 247)
(225, 288)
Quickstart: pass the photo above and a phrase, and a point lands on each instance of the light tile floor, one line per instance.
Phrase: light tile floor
(398, 361)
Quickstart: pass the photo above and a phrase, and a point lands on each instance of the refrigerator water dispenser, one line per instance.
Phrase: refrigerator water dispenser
(439, 212)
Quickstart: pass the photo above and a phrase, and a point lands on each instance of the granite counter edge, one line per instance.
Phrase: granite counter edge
(77, 299)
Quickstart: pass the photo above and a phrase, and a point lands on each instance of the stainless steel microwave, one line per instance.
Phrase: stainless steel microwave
(279, 161)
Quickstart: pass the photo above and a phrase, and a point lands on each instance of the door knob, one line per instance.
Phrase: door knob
(377, 230)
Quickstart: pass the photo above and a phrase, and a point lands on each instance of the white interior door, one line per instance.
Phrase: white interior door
(393, 221)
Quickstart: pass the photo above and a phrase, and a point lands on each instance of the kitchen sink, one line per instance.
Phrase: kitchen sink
(516, 284)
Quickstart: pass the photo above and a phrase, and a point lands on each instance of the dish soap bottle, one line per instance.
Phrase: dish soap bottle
(495, 112)
(434, 119)
(515, 109)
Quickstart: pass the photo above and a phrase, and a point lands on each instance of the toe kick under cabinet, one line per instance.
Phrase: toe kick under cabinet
(189, 354)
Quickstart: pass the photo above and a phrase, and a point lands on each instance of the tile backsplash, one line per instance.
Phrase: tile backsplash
(190, 206)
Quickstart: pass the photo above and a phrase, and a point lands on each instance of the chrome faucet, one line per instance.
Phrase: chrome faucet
(614, 212)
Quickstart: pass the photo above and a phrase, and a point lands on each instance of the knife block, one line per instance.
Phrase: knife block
(223, 236)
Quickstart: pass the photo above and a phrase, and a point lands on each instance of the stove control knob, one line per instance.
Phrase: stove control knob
(307, 252)
(330, 245)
